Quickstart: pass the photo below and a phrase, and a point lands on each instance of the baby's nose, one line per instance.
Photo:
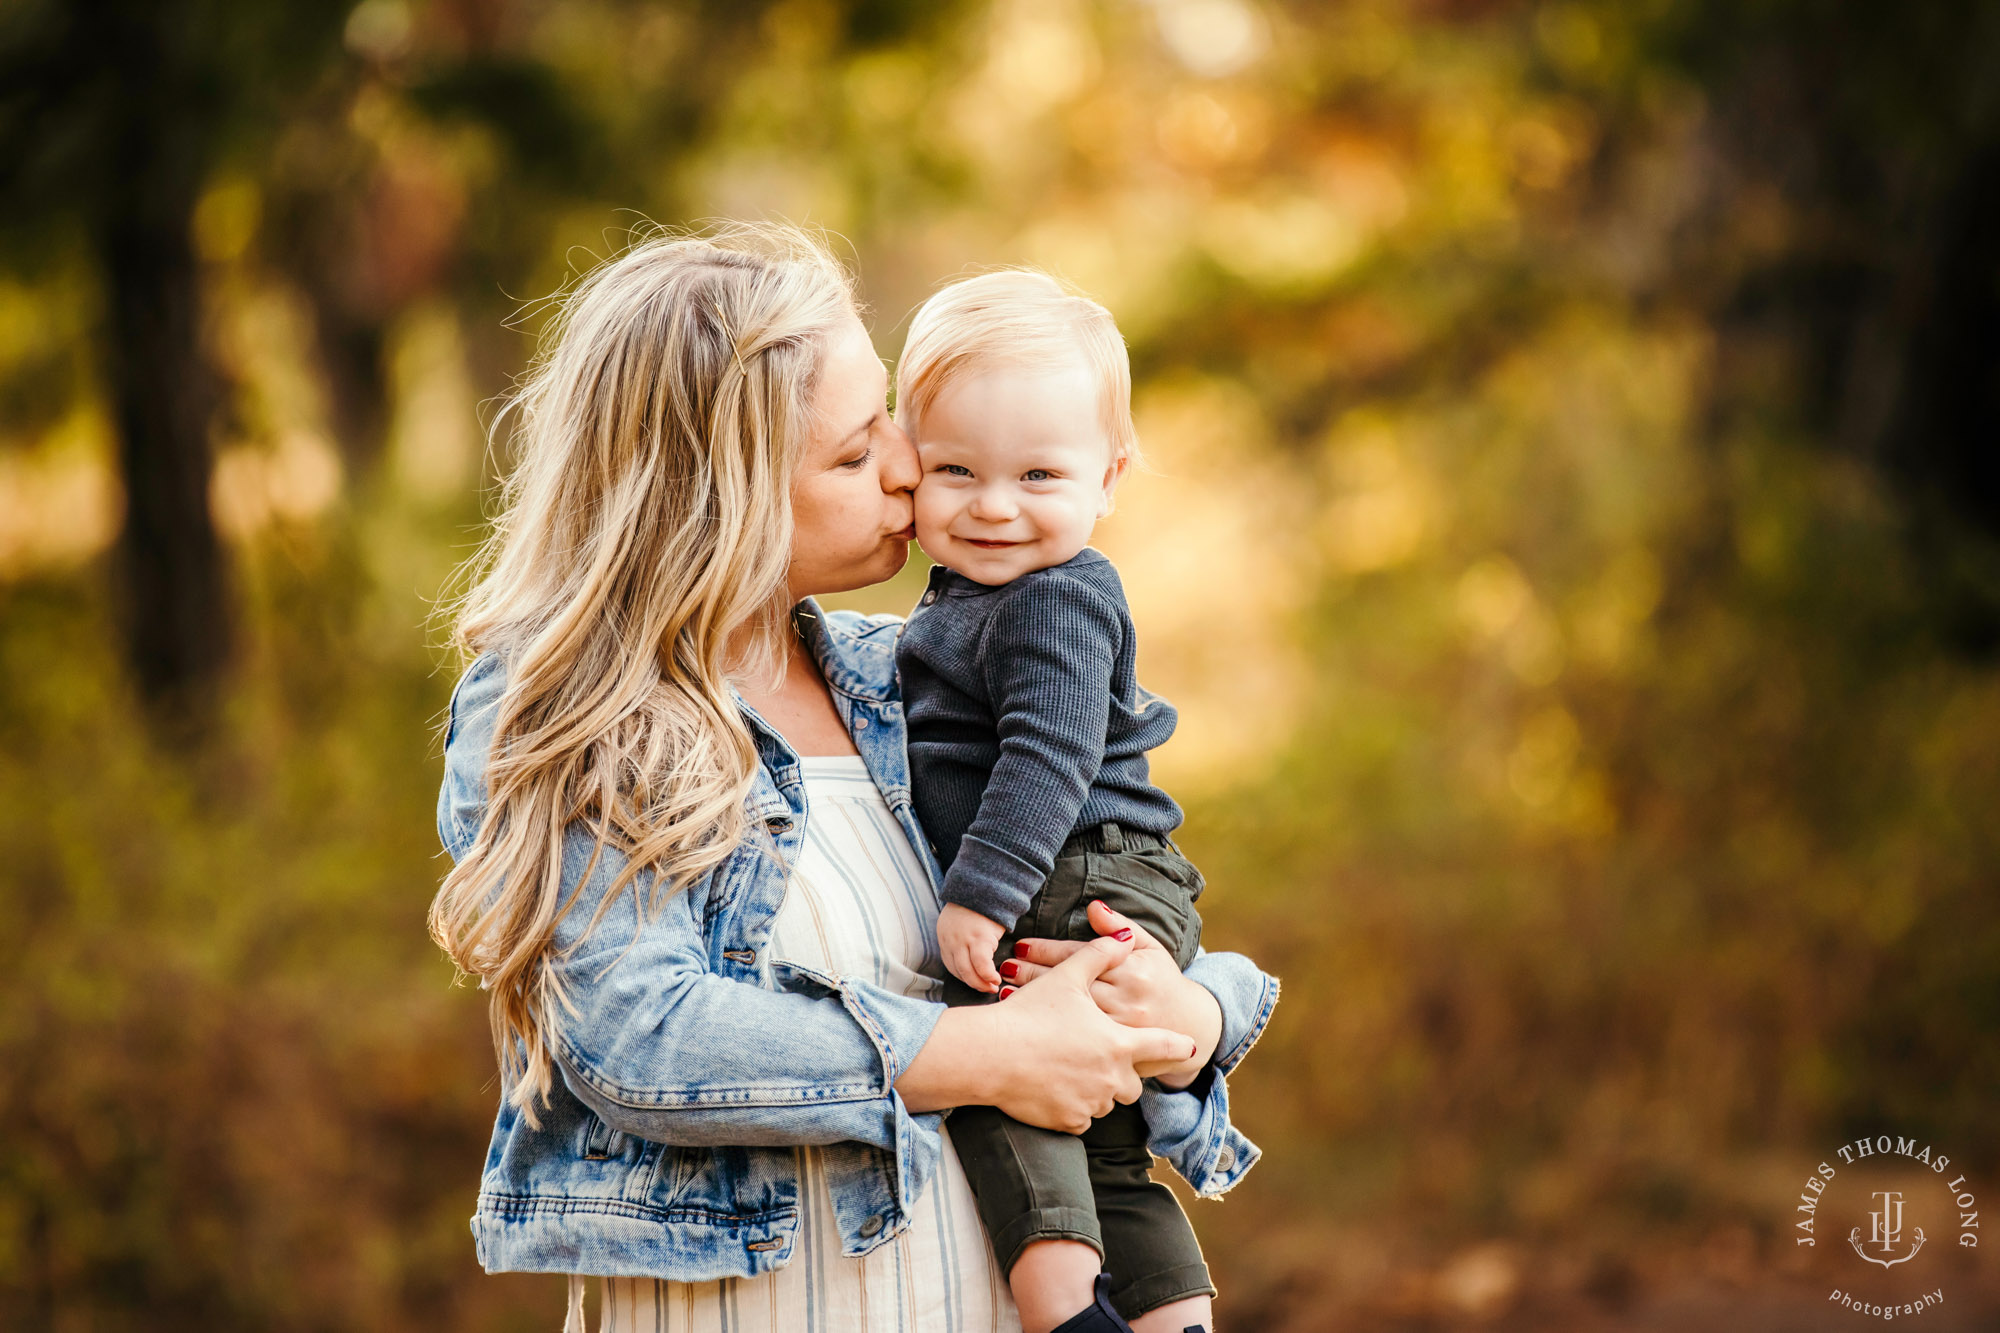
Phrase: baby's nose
(986, 504)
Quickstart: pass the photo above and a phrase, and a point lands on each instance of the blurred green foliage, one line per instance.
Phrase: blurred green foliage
(1571, 539)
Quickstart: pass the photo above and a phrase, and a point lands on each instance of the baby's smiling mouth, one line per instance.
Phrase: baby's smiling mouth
(987, 545)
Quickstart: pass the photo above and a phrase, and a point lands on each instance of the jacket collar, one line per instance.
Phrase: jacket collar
(856, 654)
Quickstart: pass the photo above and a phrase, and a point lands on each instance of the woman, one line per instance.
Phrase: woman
(687, 868)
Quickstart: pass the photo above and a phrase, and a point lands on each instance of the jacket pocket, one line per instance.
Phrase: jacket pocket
(634, 1169)
(674, 1168)
(600, 1141)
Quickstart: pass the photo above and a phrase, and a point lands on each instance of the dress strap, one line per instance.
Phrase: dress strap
(573, 1321)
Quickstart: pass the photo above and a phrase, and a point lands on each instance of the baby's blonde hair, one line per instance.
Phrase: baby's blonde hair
(1018, 317)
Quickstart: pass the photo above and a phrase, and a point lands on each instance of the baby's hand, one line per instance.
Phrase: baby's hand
(967, 941)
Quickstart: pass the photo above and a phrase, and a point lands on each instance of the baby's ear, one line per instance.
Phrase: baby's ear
(1112, 476)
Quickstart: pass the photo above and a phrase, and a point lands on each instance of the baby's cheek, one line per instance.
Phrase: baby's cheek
(1067, 522)
(933, 509)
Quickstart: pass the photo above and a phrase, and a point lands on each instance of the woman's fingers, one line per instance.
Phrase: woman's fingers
(1105, 921)
(1084, 1061)
(1154, 1051)
(1045, 953)
(1016, 973)
(1019, 972)
(1093, 960)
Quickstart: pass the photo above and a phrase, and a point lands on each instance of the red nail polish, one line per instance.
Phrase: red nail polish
(1020, 948)
(1009, 968)
(1005, 991)
(1122, 933)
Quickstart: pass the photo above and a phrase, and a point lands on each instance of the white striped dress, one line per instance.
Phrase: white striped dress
(858, 904)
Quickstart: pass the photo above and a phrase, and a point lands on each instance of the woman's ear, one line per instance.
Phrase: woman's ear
(1112, 476)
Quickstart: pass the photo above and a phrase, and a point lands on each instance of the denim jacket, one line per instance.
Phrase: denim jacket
(691, 1063)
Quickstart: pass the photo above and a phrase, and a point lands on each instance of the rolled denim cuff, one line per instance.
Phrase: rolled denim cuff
(878, 1206)
(1245, 994)
(992, 881)
(1189, 1127)
(1191, 1130)
(899, 1025)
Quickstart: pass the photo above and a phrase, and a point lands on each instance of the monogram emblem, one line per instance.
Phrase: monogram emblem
(1885, 1230)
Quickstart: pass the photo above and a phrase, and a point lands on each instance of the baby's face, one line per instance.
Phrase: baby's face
(1017, 469)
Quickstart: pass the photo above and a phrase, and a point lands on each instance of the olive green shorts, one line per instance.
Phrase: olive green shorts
(1035, 1184)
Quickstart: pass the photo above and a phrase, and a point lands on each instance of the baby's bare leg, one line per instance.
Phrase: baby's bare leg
(1177, 1316)
(1052, 1280)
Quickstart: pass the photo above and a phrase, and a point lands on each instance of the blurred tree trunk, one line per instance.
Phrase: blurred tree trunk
(351, 356)
(1948, 422)
(1878, 128)
(162, 387)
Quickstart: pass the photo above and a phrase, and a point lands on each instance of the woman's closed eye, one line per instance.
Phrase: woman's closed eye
(862, 441)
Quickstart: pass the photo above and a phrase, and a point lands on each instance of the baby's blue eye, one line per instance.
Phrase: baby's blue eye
(1038, 474)
(954, 470)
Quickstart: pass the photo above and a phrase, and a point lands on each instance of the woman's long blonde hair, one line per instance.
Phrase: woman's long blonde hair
(639, 557)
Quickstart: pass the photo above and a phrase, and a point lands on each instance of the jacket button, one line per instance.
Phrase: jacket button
(929, 597)
(871, 1226)
(1225, 1159)
(861, 724)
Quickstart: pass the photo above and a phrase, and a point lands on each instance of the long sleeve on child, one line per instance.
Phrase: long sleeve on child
(1027, 723)
(1048, 653)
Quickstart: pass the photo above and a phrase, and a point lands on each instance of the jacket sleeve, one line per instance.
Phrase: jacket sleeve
(1048, 654)
(667, 1042)
(1190, 1127)
(662, 1044)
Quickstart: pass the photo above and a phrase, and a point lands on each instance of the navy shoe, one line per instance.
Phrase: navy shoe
(1099, 1317)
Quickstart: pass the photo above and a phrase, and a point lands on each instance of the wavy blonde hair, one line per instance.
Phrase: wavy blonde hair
(639, 558)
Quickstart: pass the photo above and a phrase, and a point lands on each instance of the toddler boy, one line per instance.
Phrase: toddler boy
(1028, 735)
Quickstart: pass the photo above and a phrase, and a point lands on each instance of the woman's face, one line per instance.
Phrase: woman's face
(852, 521)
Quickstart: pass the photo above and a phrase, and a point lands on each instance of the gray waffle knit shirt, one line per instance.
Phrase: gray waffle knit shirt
(1027, 722)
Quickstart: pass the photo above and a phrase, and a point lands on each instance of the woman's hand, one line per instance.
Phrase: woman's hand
(1050, 1056)
(1146, 990)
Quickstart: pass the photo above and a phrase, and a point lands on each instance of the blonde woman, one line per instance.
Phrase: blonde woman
(687, 870)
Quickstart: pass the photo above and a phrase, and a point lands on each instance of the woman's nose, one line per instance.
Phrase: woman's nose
(900, 469)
